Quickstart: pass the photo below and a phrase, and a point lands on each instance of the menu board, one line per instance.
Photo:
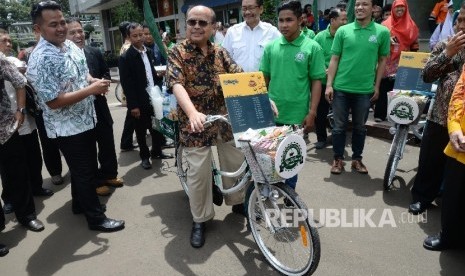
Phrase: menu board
(247, 102)
(408, 75)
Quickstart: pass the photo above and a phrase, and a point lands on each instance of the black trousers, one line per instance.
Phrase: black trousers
(128, 130)
(33, 169)
(386, 85)
(431, 163)
(453, 209)
(50, 151)
(80, 153)
(321, 117)
(106, 150)
(143, 124)
(14, 180)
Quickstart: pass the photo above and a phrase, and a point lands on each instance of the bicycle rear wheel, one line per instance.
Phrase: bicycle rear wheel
(395, 154)
(292, 244)
(182, 167)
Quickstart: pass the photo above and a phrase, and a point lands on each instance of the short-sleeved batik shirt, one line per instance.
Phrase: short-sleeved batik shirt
(198, 74)
(53, 70)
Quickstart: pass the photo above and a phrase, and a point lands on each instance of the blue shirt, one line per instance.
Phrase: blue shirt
(52, 71)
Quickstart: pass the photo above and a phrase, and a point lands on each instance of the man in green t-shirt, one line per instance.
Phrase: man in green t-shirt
(337, 18)
(359, 50)
(293, 66)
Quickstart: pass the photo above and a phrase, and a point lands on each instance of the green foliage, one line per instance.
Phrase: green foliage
(89, 28)
(111, 60)
(127, 12)
(270, 11)
(12, 11)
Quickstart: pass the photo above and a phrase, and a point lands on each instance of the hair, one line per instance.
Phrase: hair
(341, 5)
(212, 12)
(462, 6)
(132, 26)
(73, 19)
(305, 8)
(3, 31)
(327, 11)
(36, 11)
(387, 8)
(292, 5)
(123, 29)
(259, 3)
(145, 26)
(334, 13)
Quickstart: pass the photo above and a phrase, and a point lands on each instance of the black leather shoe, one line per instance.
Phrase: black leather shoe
(43, 192)
(3, 250)
(418, 207)
(162, 156)
(198, 234)
(78, 210)
(108, 225)
(434, 243)
(239, 209)
(146, 164)
(8, 208)
(34, 225)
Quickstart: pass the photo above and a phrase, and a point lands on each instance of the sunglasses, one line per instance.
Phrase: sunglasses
(193, 22)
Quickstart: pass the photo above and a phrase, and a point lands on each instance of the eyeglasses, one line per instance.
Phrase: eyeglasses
(249, 8)
(193, 22)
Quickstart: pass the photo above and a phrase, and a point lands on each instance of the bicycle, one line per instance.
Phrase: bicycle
(400, 131)
(292, 248)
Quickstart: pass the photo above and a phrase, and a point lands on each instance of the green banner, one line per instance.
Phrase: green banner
(150, 20)
(316, 15)
(351, 11)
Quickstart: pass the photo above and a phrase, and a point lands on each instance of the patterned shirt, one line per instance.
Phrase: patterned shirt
(51, 71)
(447, 71)
(198, 74)
(8, 72)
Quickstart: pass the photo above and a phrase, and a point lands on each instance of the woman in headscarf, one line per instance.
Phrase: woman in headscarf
(404, 37)
(445, 29)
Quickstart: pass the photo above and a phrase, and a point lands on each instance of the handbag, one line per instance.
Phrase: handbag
(32, 106)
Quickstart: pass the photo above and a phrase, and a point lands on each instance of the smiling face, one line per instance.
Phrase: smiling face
(399, 11)
(363, 10)
(251, 12)
(289, 24)
(460, 22)
(76, 34)
(52, 27)
(199, 25)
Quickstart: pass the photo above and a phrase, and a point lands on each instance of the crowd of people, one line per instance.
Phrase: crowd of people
(348, 66)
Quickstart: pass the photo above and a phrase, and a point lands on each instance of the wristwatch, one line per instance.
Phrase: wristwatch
(22, 110)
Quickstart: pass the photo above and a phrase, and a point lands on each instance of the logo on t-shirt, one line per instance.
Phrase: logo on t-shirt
(373, 39)
(299, 57)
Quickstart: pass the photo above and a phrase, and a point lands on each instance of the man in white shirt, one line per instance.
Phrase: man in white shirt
(246, 41)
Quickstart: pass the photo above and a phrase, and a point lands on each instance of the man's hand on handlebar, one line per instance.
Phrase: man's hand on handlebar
(196, 121)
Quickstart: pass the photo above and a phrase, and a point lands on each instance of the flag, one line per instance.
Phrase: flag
(150, 20)
(316, 15)
(351, 11)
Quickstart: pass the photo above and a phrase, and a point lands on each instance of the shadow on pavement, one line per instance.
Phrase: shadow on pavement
(61, 246)
(173, 209)
(452, 262)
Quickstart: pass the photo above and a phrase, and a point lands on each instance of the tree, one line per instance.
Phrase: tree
(12, 11)
(127, 12)
(269, 14)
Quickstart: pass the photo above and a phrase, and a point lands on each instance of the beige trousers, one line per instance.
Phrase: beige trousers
(199, 177)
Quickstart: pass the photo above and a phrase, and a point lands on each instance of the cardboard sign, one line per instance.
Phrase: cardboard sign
(408, 75)
(247, 102)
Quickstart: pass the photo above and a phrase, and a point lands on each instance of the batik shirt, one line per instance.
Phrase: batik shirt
(198, 74)
(447, 72)
(8, 72)
(52, 71)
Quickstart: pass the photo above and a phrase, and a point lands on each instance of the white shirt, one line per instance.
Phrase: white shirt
(148, 69)
(246, 46)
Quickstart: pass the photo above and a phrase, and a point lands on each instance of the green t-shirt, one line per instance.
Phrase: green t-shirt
(359, 49)
(308, 33)
(291, 66)
(325, 39)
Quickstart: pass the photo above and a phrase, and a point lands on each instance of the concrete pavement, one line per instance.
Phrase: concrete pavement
(158, 222)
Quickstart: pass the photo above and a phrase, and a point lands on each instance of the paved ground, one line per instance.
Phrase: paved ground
(158, 221)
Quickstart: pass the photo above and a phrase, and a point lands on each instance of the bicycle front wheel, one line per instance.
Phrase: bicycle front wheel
(395, 154)
(289, 243)
(119, 92)
(182, 167)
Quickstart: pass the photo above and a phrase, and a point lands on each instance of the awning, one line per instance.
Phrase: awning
(208, 3)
